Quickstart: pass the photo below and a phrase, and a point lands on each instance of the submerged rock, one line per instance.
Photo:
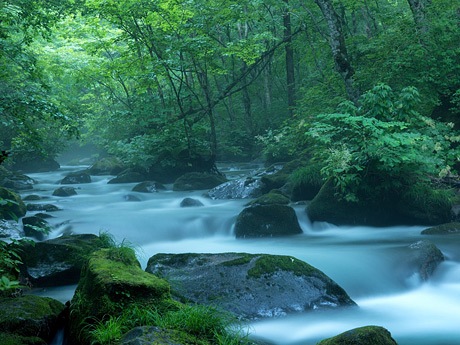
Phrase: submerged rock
(148, 187)
(128, 176)
(30, 316)
(77, 178)
(367, 335)
(238, 189)
(198, 181)
(58, 261)
(252, 286)
(190, 202)
(267, 221)
(443, 229)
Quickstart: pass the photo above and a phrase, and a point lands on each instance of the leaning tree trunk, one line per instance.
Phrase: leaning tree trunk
(418, 8)
(338, 47)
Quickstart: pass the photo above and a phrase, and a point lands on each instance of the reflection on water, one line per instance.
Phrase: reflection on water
(364, 261)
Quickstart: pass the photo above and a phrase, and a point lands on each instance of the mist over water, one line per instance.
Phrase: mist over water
(365, 261)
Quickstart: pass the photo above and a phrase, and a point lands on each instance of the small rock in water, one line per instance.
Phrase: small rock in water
(190, 202)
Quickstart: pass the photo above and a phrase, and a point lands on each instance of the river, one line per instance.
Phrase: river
(365, 261)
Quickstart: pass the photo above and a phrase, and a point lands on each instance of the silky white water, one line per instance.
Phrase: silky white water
(367, 262)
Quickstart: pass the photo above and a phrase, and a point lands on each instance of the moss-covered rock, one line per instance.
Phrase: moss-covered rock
(452, 228)
(190, 202)
(14, 180)
(35, 227)
(267, 221)
(58, 261)
(198, 181)
(273, 198)
(111, 280)
(30, 316)
(14, 339)
(251, 286)
(368, 335)
(384, 208)
(422, 204)
(42, 207)
(11, 204)
(77, 177)
(306, 182)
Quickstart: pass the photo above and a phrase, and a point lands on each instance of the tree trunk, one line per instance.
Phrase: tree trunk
(418, 8)
(338, 47)
(290, 71)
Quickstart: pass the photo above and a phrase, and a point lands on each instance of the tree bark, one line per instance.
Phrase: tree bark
(339, 48)
(289, 51)
(418, 8)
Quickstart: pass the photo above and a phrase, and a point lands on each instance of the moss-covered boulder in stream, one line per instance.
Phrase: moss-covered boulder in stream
(58, 261)
(11, 204)
(275, 197)
(306, 182)
(381, 208)
(198, 181)
(251, 286)
(15, 180)
(107, 166)
(111, 280)
(77, 177)
(281, 174)
(367, 335)
(267, 221)
(452, 228)
(29, 316)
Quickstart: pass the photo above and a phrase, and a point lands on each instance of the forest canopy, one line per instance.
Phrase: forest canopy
(154, 81)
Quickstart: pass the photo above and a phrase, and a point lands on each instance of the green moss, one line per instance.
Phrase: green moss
(198, 181)
(11, 205)
(306, 182)
(29, 306)
(269, 264)
(14, 339)
(443, 229)
(272, 198)
(281, 177)
(243, 260)
(368, 335)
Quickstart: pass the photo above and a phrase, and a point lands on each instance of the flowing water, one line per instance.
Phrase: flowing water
(365, 261)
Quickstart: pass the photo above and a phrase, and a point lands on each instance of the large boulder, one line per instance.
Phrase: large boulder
(267, 221)
(149, 335)
(148, 187)
(111, 280)
(273, 198)
(30, 316)
(367, 335)
(198, 181)
(107, 166)
(14, 180)
(11, 205)
(252, 286)
(58, 261)
(77, 177)
(245, 188)
(452, 228)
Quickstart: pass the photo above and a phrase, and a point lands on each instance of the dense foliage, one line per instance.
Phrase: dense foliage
(154, 82)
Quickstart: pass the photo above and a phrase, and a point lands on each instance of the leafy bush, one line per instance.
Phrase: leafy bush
(384, 138)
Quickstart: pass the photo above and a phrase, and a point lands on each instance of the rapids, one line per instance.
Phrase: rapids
(365, 261)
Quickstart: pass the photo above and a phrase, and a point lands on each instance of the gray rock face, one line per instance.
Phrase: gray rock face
(252, 286)
(267, 221)
(238, 189)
